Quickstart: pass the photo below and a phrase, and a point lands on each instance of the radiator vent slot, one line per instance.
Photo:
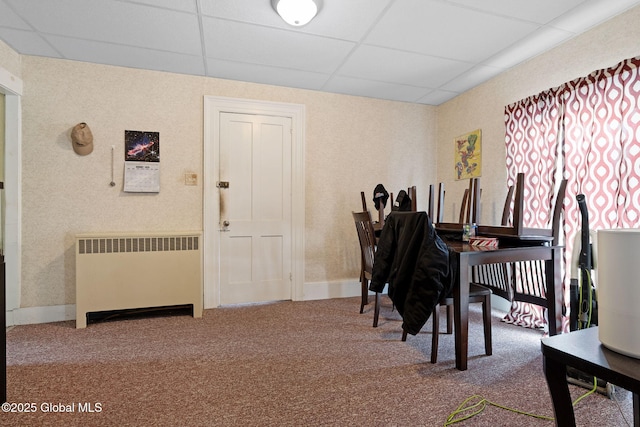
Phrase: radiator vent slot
(137, 244)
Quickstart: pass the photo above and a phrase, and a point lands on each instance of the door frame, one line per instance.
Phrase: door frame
(12, 87)
(213, 106)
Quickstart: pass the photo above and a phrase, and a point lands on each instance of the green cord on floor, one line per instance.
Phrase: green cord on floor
(464, 412)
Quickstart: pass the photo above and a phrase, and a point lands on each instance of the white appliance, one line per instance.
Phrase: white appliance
(618, 272)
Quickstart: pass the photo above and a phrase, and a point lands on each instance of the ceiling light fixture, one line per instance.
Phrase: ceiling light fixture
(296, 12)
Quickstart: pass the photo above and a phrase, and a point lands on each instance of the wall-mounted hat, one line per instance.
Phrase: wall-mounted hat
(82, 139)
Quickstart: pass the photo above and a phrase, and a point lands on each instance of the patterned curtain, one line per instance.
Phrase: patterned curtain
(602, 146)
(597, 150)
(532, 145)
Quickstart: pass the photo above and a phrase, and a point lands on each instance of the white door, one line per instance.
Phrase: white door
(255, 208)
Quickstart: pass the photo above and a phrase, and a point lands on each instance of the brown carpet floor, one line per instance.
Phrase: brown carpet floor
(312, 363)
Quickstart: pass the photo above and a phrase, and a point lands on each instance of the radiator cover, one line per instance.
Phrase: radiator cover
(134, 270)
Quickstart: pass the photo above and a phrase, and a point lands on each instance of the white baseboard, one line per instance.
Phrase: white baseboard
(60, 313)
(46, 314)
(335, 289)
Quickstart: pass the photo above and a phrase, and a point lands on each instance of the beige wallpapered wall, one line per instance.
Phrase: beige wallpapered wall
(483, 106)
(2, 131)
(351, 144)
(10, 60)
(402, 144)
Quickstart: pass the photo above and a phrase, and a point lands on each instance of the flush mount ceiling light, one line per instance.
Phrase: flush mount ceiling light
(296, 12)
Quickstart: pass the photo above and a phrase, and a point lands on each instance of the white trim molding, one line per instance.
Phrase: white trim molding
(333, 289)
(11, 86)
(48, 314)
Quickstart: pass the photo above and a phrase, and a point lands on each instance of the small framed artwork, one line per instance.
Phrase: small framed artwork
(468, 155)
(142, 161)
(141, 146)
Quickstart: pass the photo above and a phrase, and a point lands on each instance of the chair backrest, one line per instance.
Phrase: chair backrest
(464, 218)
(411, 194)
(497, 277)
(506, 210)
(523, 281)
(367, 239)
(440, 212)
(558, 208)
(518, 204)
(518, 207)
(470, 206)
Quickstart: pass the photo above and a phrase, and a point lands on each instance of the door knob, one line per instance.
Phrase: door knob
(225, 223)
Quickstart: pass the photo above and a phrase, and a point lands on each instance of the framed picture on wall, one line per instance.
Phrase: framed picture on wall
(142, 161)
(468, 155)
(141, 146)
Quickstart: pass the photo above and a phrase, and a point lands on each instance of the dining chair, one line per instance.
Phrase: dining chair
(477, 293)
(529, 278)
(367, 240)
(497, 277)
(380, 209)
(523, 281)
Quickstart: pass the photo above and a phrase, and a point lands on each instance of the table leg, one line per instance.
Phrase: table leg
(461, 312)
(556, 375)
(636, 410)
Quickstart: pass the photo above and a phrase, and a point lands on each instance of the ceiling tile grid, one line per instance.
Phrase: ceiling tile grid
(421, 51)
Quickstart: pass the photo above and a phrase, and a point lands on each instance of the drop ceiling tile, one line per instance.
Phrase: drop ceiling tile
(127, 56)
(373, 89)
(182, 5)
(472, 78)
(265, 74)
(241, 42)
(540, 41)
(393, 66)
(9, 19)
(538, 11)
(437, 97)
(446, 30)
(114, 22)
(243, 11)
(591, 13)
(441, 46)
(27, 43)
(345, 20)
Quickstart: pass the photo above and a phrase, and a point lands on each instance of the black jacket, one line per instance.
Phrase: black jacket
(416, 264)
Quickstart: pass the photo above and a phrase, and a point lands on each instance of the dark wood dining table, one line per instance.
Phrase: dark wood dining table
(509, 250)
(583, 350)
